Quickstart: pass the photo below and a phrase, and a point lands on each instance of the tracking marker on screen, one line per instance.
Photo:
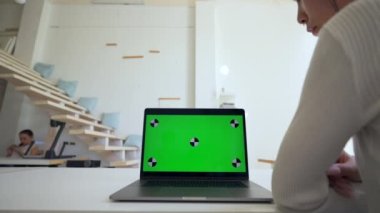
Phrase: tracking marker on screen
(154, 123)
(194, 142)
(234, 123)
(236, 163)
(152, 162)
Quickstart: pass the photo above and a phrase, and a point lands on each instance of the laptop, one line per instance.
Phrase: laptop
(194, 155)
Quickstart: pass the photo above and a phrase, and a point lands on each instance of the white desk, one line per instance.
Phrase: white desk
(31, 162)
(87, 190)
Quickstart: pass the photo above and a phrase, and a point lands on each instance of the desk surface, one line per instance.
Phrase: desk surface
(87, 190)
(31, 162)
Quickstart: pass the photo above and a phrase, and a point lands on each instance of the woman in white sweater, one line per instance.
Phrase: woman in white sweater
(340, 99)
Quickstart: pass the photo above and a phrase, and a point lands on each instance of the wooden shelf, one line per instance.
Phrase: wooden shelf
(58, 108)
(128, 163)
(111, 44)
(169, 99)
(133, 57)
(112, 148)
(154, 51)
(91, 133)
(18, 80)
(74, 120)
(38, 94)
(272, 162)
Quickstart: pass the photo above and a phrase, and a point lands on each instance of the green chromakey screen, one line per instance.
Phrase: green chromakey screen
(194, 143)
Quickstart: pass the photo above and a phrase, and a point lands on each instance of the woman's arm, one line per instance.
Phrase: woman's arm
(329, 113)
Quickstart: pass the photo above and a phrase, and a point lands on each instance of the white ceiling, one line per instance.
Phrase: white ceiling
(189, 3)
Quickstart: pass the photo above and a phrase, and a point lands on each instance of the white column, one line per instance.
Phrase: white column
(29, 30)
(205, 84)
(32, 32)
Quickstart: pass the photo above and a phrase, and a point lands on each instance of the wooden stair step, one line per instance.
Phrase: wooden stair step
(79, 121)
(112, 148)
(18, 80)
(12, 60)
(12, 69)
(128, 163)
(15, 60)
(38, 94)
(58, 108)
(17, 67)
(92, 133)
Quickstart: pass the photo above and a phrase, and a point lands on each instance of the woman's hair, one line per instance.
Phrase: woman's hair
(27, 132)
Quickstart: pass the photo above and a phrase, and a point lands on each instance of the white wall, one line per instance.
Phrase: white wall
(76, 41)
(73, 38)
(267, 53)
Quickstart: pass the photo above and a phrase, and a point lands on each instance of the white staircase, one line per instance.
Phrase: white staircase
(86, 127)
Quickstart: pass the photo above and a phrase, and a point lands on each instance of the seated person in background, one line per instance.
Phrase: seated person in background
(27, 147)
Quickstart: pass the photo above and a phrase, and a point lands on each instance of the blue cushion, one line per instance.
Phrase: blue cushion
(88, 102)
(44, 69)
(111, 119)
(68, 86)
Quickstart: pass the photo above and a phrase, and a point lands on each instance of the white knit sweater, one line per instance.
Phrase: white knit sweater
(340, 99)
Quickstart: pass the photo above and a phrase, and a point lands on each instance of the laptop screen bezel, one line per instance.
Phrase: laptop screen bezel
(194, 175)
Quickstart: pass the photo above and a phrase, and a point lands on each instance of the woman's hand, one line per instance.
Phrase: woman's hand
(342, 174)
(10, 150)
